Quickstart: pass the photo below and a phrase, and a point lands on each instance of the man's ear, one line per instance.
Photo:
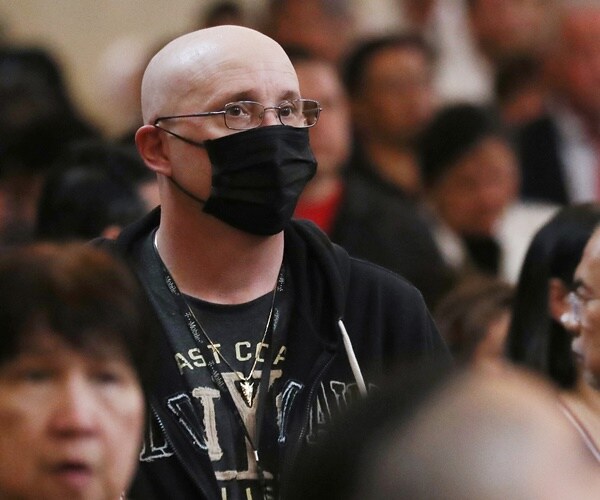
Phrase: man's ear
(152, 149)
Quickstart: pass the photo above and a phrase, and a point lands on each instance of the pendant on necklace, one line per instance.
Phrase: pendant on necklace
(247, 388)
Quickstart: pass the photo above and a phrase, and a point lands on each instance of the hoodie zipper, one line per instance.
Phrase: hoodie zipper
(297, 445)
(184, 463)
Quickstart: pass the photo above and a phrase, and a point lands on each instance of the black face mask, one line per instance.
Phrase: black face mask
(258, 176)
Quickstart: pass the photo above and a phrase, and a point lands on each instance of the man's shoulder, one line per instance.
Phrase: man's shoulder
(357, 274)
(366, 188)
(386, 308)
(371, 276)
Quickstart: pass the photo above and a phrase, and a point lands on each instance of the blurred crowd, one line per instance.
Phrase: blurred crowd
(459, 133)
(460, 150)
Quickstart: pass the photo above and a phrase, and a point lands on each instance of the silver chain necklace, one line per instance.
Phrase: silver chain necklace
(246, 382)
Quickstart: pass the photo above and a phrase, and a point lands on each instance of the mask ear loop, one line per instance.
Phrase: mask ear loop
(193, 143)
(186, 192)
(198, 144)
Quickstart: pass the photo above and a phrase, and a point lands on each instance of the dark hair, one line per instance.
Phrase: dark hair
(82, 294)
(122, 161)
(299, 53)
(91, 188)
(220, 11)
(25, 68)
(453, 132)
(355, 65)
(32, 89)
(35, 147)
(331, 8)
(464, 314)
(516, 74)
(535, 339)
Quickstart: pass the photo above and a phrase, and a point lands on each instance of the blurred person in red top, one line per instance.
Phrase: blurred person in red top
(369, 221)
(330, 141)
(389, 81)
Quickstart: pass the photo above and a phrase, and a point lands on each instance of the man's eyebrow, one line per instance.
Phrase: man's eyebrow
(290, 95)
(244, 95)
(249, 95)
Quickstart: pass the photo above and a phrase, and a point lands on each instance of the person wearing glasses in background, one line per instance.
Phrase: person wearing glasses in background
(259, 312)
(584, 314)
(582, 319)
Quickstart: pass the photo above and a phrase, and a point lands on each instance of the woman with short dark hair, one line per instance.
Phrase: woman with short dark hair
(75, 357)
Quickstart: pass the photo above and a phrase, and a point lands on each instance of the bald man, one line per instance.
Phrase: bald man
(269, 329)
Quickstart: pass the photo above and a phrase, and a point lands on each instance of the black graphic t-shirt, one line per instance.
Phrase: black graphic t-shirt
(236, 332)
(191, 423)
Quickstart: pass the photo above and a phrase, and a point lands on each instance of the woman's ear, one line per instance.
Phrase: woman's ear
(557, 298)
(151, 146)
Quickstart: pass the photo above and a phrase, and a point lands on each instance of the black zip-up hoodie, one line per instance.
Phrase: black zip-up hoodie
(385, 317)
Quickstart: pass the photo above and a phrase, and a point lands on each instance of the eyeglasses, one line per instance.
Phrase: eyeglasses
(244, 115)
(573, 317)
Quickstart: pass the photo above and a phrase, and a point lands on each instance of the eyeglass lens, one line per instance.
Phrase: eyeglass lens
(299, 113)
(575, 306)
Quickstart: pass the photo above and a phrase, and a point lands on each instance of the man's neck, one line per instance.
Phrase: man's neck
(215, 262)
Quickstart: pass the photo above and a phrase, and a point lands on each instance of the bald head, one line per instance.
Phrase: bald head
(189, 69)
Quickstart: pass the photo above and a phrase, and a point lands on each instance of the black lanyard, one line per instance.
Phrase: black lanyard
(196, 331)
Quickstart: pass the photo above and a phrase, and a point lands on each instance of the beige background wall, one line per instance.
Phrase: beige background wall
(99, 41)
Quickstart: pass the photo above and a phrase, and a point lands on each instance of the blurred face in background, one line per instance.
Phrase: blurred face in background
(473, 193)
(71, 422)
(398, 99)
(506, 28)
(577, 61)
(324, 27)
(586, 344)
(330, 138)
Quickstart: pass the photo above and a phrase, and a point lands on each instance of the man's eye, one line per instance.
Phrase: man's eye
(236, 111)
(286, 110)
